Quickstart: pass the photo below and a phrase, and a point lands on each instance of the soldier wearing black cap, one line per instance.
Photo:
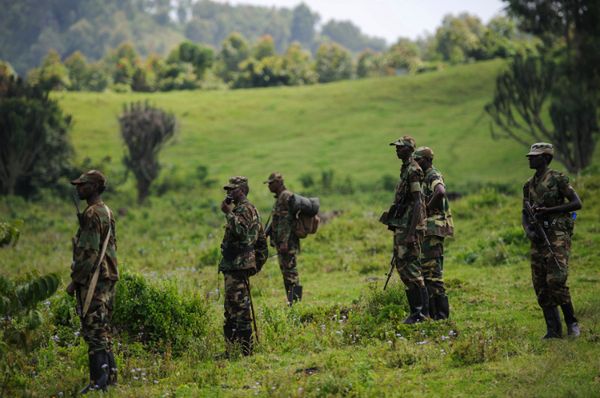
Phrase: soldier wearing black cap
(238, 262)
(94, 273)
(408, 223)
(282, 237)
(552, 200)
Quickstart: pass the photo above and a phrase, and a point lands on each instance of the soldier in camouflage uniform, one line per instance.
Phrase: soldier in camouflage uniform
(553, 200)
(409, 226)
(283, 239)
(238, 262)
(95, 224)
(439, 225)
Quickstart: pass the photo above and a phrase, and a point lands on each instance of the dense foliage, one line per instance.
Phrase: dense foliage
(35, 148)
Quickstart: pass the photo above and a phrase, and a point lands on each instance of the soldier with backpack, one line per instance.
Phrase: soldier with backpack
(244, 251)
(283, 238)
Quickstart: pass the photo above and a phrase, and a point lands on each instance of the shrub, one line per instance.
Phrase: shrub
(158, 315)
(9, 233)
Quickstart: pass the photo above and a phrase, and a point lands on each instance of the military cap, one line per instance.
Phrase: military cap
(236, 182)
(423, 152)
(540, 148)
(90, 176)
(406, 140)
(275, 176)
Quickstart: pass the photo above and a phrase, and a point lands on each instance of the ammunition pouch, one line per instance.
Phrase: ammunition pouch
(391, 218)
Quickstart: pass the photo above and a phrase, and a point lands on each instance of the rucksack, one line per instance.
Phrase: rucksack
(306, 217)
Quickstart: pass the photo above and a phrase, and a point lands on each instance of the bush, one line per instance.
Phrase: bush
(158, 315)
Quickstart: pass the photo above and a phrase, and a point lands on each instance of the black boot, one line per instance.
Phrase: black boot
(425, 302)
(98, 372)
(245, 338)
(442, 307)
(553, 325)
(294, 294)
(570, 320)
(415, 302)
(230, 338)
(112, 369)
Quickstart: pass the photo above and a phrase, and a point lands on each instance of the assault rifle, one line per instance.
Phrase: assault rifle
(539, 229)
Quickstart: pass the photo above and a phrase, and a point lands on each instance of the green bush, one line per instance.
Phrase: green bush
(158, 315)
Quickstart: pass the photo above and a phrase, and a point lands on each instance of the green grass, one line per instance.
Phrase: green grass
(346, 337)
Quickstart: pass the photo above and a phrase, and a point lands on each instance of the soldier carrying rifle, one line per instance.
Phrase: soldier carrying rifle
(549, 203)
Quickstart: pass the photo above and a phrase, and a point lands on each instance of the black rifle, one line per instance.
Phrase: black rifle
(390, 273)
(247, 282)
(75, 199)
(539, 229)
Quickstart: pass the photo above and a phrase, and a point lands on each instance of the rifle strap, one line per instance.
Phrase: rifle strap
(94, 281)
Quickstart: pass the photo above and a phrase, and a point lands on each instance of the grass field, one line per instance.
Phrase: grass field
(346, 337)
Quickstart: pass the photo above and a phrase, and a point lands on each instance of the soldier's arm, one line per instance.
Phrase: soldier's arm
(415, 178)
(285, 224)
(87, 250)
(573, 204)
(238, 222)
(525, 221)
(437, 198)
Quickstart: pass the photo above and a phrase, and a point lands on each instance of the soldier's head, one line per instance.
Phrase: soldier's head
(424, 156)
(89, 184)
(405, 146)
(237, 188)
(540, 155)
(275, 182)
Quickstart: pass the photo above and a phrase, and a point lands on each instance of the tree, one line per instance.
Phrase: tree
(52, 75)
(560, 86)
(350, 36)
(333, 62)
(35, 149)
(459, 38)
(234, 50)
(145, 130)
(201, 58)
(264, 47)
(299, 65)
(77, 67)
(303, 25)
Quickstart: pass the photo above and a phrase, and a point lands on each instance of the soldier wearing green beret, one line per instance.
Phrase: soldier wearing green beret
(439, 226)
(282, 237)
(94, 273)
(238, 262)
(552, 200)
(409, 226)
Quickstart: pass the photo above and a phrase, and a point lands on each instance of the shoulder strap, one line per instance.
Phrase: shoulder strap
(94, 281)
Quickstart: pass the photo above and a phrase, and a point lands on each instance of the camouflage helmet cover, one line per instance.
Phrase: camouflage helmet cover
(406, 140)
(540, 148)
(236, 182)
(93, 176)
(423, 152)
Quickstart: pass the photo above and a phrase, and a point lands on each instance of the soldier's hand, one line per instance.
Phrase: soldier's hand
(540, 211)
(70, 289)
(226, 208)
(531, 234)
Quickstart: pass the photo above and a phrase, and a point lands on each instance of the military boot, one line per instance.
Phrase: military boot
(415, 302)
(442, 307)
(112, 369)
(425, 302)
(245, 338)
(294, 294)
(570, 320)
(230, 339)
(98, 372)
(553, 325)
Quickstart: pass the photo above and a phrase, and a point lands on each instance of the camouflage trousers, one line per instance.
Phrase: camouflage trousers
(289, 269)
(432, 265)
(406, 259)
(549, 276)
(237, 303)
(95, 326)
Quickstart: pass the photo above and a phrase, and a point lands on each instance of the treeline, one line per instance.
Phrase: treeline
(30, 28)
(242, 63)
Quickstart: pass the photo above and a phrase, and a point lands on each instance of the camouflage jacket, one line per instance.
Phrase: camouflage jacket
(411, 179)
(87, 245)
(550, 190)
(439, 220)
(282, 222)
(241, 233)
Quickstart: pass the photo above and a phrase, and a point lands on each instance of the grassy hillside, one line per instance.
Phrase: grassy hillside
(346, 337)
